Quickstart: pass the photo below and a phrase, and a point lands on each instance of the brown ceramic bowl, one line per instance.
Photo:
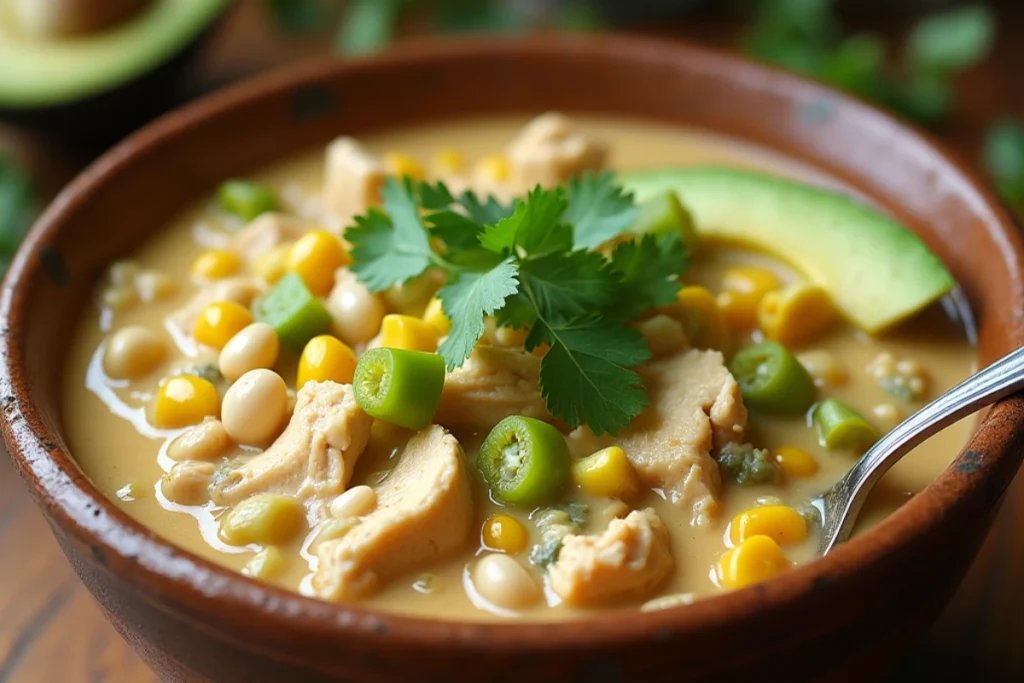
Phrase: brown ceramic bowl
(847, 615)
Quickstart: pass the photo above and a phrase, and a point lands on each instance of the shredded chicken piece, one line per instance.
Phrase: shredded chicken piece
(312, 460)
(548, 151)
(695, 409)
(424, 512)
(352, 179)
(492, 384)
(628, 560)
(267, 231)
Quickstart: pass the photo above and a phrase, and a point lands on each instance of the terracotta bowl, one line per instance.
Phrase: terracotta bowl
(845, 616)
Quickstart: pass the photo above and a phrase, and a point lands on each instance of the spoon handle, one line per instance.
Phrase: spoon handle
(842, 504)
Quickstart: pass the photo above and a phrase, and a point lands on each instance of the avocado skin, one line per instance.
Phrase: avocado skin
(876, 271)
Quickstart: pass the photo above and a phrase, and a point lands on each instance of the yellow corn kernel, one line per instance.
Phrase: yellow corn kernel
(185, 400)
(782, 524)
(504, 533)
(756, 559)
(435, 317)
(796, 462)
(404, 166)
(494, 167)
(739, 309)
(450, 161)
(272, 264)
(796, 314)
(405, 332)
(606, 474)
(326, 359)
(702, 319)
(266, 519)
(214, 264)
(315, 257)
(219, 322)
(750, 280)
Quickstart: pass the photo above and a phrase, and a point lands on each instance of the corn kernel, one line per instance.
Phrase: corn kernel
(219, 322)
(750, 280)
(756, 559)
(185, 400)
(405, 332)
(271, 265)
(783, 524)
(739, 309)
(326, 359)
(796, 462)
(796, 314)
(215, 264)
(494, 168)
(504, 533)
(435, 317)
(315, 257)
(702, 319)
(450, 161)
(404, 166)
(606, 474)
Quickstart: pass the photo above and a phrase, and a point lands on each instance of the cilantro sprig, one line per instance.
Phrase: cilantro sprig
(533, 264)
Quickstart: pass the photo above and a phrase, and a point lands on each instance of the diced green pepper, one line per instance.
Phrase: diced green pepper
(841, 428)
(400, 386)
(525, 461)
(772, 380)
(246, 199)
(295, 314)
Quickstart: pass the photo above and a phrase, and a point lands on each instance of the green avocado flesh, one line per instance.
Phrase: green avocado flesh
(877, 271)
(39, 73)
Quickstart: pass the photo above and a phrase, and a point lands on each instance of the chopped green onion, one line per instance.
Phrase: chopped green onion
(246, 199)
(294, 312)
(400, 386)
(841, 428)
(772, 380)
(525, 461)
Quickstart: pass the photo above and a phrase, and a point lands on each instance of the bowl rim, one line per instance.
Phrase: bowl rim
(163, 574)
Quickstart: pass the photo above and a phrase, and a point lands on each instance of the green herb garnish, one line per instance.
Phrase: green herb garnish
(1003, 156)
(530, 265)
(16, 200)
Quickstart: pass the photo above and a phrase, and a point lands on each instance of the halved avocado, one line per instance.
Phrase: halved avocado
(876, 270)
(91, 88)
(45, 72)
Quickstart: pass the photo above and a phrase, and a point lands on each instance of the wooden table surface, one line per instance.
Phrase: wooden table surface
(51, 630)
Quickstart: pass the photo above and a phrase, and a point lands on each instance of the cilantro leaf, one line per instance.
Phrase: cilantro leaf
(455, 230)
(466, 300)
(488, 212)
(534, 227)
(434, 197)
(566, 286)
(389, 248)
(584, 377)
(647, 270)
(598, 209)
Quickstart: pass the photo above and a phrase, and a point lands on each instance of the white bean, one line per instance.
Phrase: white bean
(187, 483)
(133, 352)
(356, 502)
(357, 311)
(206, 441)
(254, 407)
(502, 581)
(255, 346)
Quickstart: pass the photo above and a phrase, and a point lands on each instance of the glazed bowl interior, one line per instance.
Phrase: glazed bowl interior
(139, 186)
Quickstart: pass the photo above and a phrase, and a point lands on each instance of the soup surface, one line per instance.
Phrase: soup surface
(673, 552)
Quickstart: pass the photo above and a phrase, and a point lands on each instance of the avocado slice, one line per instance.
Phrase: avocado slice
(46, 73)
(877, 271)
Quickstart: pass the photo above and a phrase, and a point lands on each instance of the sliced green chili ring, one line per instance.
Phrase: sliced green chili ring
(399, 386)
(246, 199)
(772, 380)
(294, 312)
(524, 461)
(841, 428)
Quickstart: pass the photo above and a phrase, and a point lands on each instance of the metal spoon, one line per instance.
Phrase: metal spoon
(841, 504)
